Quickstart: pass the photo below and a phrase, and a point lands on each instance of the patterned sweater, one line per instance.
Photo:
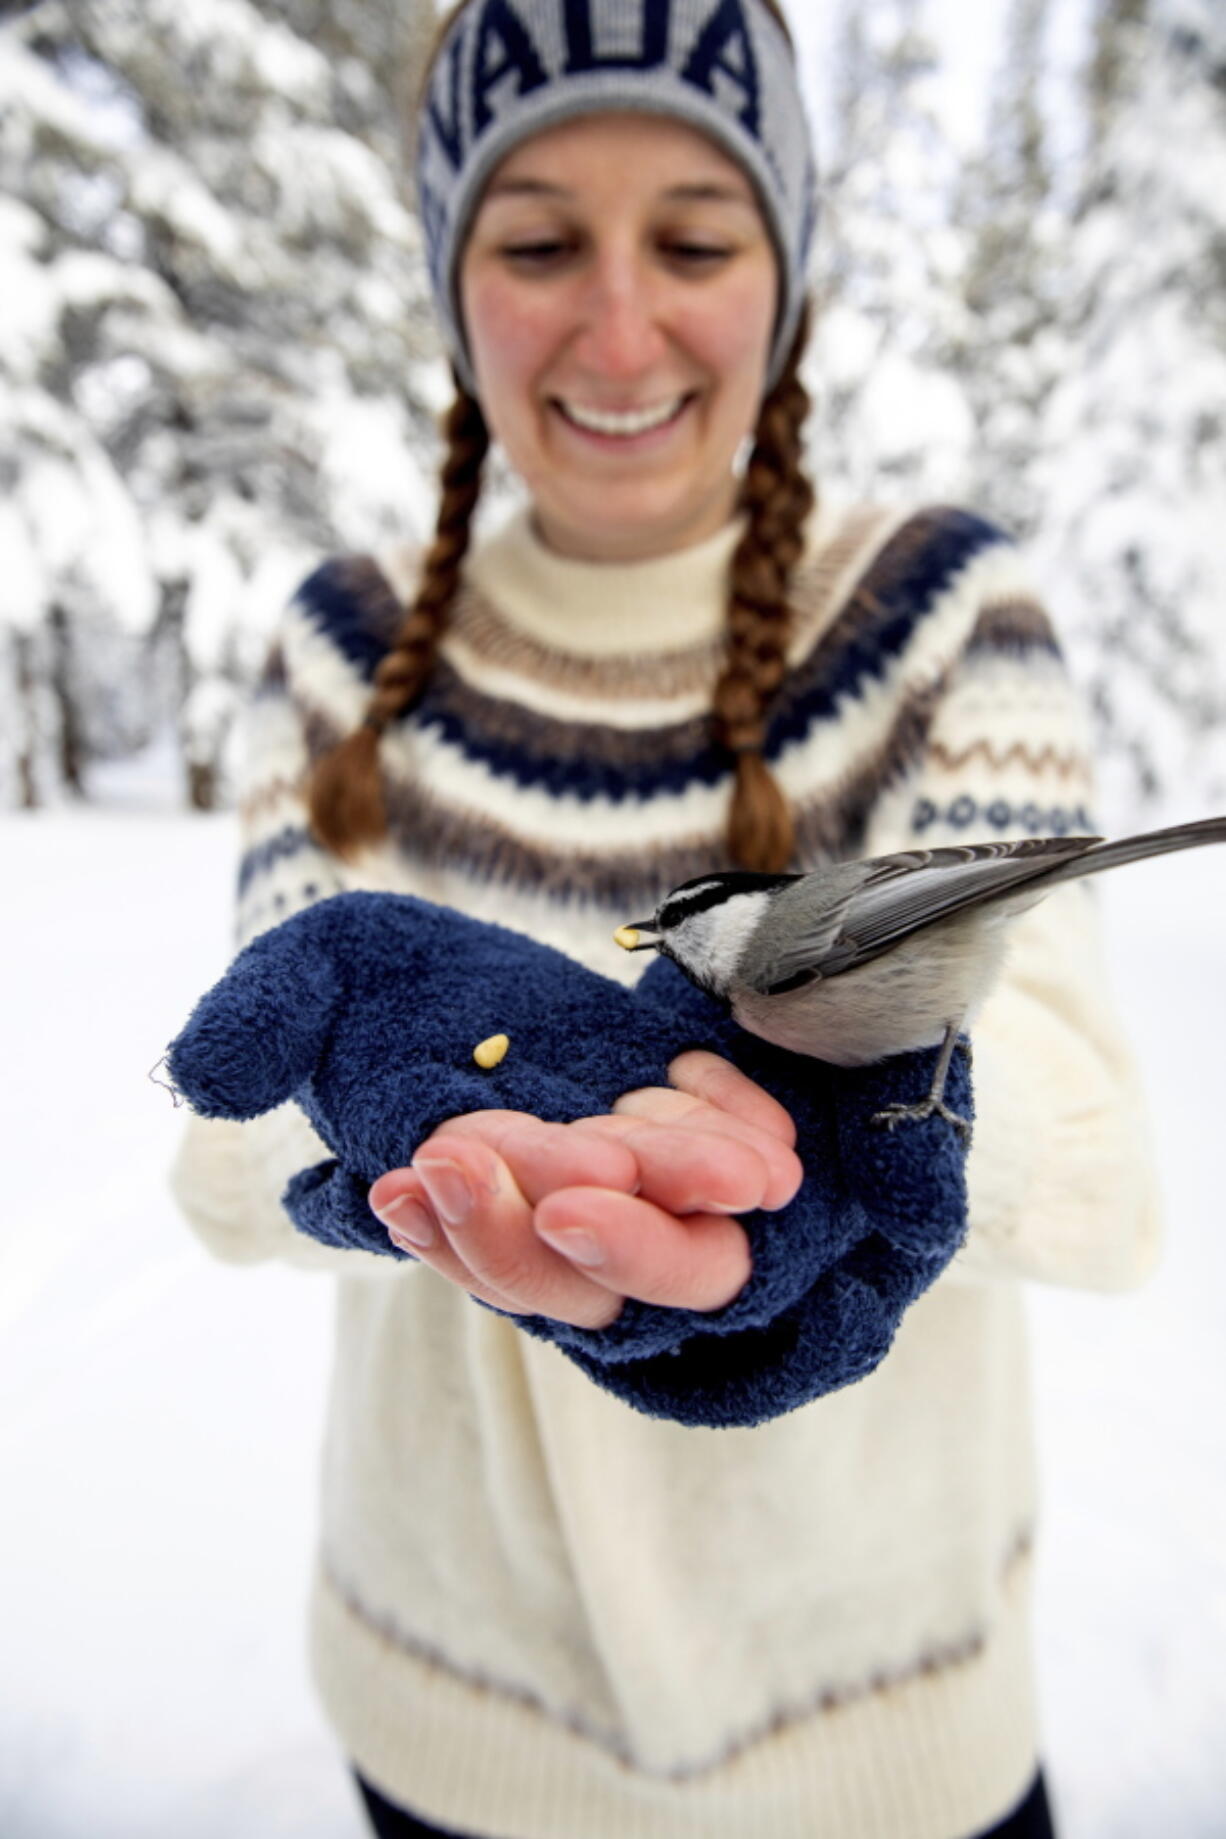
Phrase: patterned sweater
(537, 1613)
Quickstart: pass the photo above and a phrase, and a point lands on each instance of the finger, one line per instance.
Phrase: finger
(717, 1082)
(487, 1125)
(641, 1250)
(677, 1169)
(694, 1171)
(486, 1240)
(677, 1173)
(667, 1105)
(663, 1107)
(400, 1202)
(543, 1156)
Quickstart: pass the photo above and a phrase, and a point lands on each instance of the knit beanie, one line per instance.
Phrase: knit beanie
(509, 68)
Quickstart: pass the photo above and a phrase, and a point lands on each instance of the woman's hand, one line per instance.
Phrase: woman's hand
(567, 1220)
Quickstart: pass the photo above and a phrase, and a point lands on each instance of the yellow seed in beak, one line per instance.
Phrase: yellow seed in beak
(626, 937)
(492, 1053)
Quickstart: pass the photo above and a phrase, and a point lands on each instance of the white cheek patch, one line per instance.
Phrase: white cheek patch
(726, 931)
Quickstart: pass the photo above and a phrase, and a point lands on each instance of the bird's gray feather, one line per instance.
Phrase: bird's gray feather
(831, 921)
(1137, 848)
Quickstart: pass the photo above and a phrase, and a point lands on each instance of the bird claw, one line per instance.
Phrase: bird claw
(927, 1107)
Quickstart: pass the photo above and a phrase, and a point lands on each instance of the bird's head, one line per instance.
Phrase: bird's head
(705, 925)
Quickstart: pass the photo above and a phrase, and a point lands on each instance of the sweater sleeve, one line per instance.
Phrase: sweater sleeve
(228, 1178)
(1060, 1180)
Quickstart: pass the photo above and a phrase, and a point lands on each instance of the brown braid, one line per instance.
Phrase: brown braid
(346, 793)
(778, 497)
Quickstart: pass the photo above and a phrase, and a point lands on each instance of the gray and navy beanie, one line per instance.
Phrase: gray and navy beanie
(509, 68)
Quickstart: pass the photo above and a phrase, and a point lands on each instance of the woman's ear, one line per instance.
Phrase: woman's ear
(257, 1035)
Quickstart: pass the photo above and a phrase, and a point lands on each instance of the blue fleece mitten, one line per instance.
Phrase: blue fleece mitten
(366, 1009)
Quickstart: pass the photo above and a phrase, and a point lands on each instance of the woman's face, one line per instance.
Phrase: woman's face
(619, 265)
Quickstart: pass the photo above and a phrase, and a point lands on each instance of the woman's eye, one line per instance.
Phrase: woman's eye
(534, 252)
(693, 255)
(698, 252)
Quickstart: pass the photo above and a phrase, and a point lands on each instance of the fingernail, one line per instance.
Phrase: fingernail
(447, 1185)
(407, 1219)
(573, 1243)
(699, 1205)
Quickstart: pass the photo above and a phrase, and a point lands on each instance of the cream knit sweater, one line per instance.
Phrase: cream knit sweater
(538, 1614)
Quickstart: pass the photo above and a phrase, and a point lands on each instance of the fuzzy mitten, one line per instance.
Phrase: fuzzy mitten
(366, 1009)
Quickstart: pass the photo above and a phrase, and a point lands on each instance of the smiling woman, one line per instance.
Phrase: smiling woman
(619, 291)
(511, 94)
(678, 1478)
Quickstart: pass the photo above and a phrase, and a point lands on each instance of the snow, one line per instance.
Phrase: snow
(81, 521)
(372, 467)
(162, 186)
(115, 110)
(25, 80)
(24, 578)
(969, 42)
(215, 590)
(159, 1414)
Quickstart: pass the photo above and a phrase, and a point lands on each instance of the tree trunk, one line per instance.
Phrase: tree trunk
(72, 755)
(26, 778)
(202, 785)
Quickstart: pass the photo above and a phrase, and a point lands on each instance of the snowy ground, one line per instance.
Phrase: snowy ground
(159, 1414)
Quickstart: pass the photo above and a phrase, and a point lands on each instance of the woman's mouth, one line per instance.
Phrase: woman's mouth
(636, 428)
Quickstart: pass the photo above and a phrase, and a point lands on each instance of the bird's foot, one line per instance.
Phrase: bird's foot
(927, 1107)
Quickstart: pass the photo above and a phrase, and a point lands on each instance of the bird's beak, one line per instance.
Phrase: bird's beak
(630, 937)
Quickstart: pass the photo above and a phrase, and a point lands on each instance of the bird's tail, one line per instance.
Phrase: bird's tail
(1136, 848)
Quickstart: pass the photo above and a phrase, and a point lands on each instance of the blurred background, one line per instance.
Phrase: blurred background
(217, 363)
(217, 360)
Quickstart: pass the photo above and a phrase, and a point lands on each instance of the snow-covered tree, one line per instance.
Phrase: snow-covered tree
(892, 415)
(1014, 344)
(1133, 477)
(216, 354)
(217, 358)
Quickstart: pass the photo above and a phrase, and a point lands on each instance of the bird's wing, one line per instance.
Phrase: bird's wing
(890, 897)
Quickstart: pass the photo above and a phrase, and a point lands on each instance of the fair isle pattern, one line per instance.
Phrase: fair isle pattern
(489, 651)
(595, 783)
(972, 816)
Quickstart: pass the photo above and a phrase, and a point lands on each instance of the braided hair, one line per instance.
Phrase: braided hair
(345, 793)
(778, 497)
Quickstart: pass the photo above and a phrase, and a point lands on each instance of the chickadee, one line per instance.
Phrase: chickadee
(862, 960)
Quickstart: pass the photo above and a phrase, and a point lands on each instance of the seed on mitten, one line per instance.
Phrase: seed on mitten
(493, 1052)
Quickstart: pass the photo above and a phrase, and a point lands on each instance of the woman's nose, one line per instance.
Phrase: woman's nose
(621, 330)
